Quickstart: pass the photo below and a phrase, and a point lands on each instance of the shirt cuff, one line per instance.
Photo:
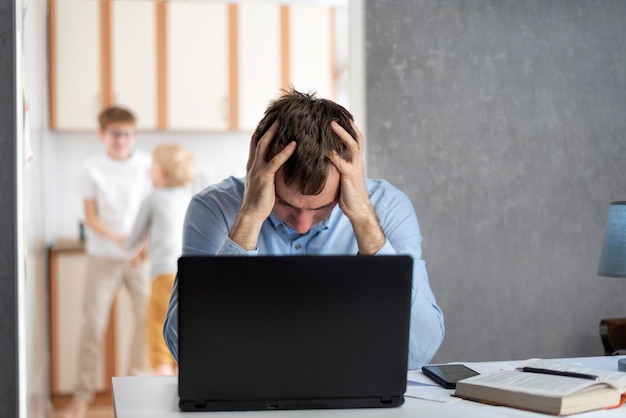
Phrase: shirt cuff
(386, 249)
(230, 247)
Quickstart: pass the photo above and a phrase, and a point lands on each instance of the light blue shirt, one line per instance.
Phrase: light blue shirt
(211, 214)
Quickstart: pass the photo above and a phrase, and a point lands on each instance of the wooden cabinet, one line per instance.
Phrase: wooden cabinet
(259, 69)
(197, 66)
(184, 66)
(311, 67)
(67, 264)
(133, 58)
(74, 64)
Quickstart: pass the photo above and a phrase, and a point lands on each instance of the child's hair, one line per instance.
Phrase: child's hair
(115, 114)
(179, 164)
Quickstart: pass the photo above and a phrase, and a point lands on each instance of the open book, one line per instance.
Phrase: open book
(547, 393)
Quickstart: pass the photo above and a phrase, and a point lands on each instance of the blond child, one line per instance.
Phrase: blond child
(160, 218)
(113, 186)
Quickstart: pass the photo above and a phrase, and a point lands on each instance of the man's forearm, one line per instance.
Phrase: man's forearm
(370, 236)
(245, 231)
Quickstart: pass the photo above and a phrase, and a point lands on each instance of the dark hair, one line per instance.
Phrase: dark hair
(304, 118)
(115, 114)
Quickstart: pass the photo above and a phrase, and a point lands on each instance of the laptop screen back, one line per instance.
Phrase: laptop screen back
(290, 332)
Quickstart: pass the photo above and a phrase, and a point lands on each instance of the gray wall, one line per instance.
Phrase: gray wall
(8, 216)
(505, 122)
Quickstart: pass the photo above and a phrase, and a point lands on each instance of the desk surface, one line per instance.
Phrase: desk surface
(157, 397)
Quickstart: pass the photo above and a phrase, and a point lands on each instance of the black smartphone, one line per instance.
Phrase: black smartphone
(447, 375)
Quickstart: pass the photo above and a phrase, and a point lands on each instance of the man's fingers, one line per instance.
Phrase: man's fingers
(251, 154)
(266, 139)
(353, 144)
(337, 161)
(280, 158)
(257, 149)
(359, 134)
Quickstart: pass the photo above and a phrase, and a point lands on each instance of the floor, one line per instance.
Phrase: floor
(100, 412)
(102, 406)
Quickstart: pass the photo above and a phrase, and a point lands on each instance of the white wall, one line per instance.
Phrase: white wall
(34, 371)
(218, 156)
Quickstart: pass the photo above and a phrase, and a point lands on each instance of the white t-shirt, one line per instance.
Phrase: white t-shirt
(118, 188)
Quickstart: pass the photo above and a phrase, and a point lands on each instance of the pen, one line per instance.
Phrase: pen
(560, 373)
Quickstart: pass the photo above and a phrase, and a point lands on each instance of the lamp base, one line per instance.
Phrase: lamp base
(621, 365)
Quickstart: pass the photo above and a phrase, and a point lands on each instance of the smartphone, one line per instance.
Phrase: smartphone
(447, 375)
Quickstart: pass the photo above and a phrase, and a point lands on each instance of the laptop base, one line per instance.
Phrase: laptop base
(250, 405)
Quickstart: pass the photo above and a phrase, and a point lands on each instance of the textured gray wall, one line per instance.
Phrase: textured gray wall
(505, 122)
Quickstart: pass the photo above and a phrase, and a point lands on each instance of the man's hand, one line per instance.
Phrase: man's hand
(259, 193)
(354, 200)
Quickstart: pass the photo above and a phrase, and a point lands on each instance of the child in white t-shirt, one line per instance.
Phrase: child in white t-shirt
(113, 186)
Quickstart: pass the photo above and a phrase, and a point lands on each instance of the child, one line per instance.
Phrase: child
(113, 186)
(161, 217)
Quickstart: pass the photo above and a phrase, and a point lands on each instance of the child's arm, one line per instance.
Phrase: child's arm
(93, 221)
(142, 254)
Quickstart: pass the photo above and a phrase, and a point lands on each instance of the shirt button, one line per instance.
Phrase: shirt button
(298, 246)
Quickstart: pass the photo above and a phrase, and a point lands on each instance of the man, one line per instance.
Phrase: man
(305, 192)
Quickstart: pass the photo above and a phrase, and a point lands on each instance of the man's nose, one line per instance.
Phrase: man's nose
(303, 221)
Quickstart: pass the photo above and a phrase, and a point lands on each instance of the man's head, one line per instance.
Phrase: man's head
(117, 131)
(305, 119)
(307, 185)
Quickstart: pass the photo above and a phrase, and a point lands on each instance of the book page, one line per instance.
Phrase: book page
(613, 378)
(544, 384)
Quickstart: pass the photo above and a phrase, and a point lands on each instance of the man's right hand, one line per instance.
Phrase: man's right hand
(259, 193)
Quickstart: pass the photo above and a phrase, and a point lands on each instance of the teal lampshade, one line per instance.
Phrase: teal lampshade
(613, 255)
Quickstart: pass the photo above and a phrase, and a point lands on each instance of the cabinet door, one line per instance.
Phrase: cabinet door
(197, 91)
(311, 49)
(75, 64)
(68, 287)
(133, 59)
(124, 329)
(259, 69)
(67, 290)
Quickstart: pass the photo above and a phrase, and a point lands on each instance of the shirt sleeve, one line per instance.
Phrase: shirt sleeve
(403, 235)
(86, 185)
(170, 325)
(204, 228)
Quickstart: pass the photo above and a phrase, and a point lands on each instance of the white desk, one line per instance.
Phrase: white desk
(157, 397)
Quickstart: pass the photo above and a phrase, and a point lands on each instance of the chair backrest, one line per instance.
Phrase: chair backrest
(613, 335)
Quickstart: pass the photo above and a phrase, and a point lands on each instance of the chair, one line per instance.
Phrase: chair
(613, 335)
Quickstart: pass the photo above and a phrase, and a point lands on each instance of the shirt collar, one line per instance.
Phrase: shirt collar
(320, 226)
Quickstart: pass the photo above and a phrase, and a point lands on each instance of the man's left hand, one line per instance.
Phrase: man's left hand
(354, 200)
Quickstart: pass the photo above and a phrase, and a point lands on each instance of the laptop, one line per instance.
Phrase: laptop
(292, 332)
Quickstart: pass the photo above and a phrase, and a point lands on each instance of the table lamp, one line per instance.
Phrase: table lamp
(613, 256)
